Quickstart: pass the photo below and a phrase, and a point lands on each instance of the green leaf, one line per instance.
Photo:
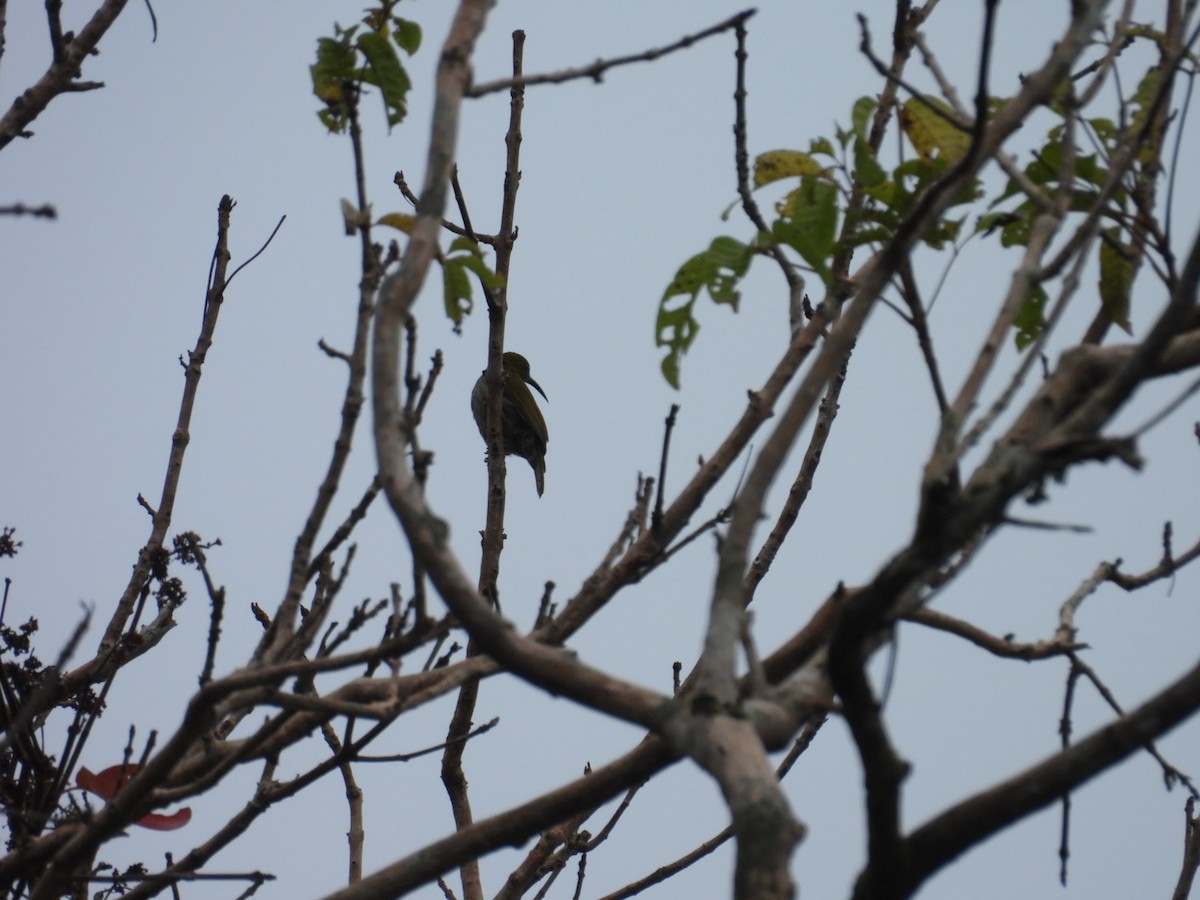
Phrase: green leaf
(989, 222)
(914, 175)
(820, 145)
(922, 170)
(490, 279)
(729, 259)
(331, 72)
(407, 36)
(676, 328)
(385, 71)
(1030, 317)
(463, 259)
(860, 116)
(1116, 277)
(1059, 95)
(1143, 98)
(946, 231)
(811, 227)
(1047, 164)
(456, 285)
(717, 270)
(1090, 170)
(1143, 105)
(1017, 230)
(1106, 129)
(886, 192)
(876, 235)
(866, 167)
(1047, 168)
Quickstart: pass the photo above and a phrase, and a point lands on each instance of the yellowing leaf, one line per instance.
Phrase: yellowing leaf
(776, 164)
(933, 135)
(399, 221)
(353, 218)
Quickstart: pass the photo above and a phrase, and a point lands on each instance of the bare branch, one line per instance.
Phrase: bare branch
(63, 72)
(1191, 852)
(596, 70)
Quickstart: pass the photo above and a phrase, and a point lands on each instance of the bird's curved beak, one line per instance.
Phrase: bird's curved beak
(538, 387)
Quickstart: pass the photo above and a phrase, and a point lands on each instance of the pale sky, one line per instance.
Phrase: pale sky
(622, 182)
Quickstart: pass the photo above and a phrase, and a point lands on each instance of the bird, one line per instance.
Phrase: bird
(524, 428)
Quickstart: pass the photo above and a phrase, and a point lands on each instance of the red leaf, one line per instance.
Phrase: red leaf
(159, 822)
(108, 782)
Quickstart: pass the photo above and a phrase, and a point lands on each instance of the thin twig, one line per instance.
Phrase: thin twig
(1191, 851)
(668, 428)
(257, 253)
(798, 308)
(661, 874)
(596, 70)
(1003, 647)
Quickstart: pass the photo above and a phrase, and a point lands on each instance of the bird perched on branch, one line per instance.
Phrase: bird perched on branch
(524, 428)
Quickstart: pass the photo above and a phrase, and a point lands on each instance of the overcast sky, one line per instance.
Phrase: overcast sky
(622, 182)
